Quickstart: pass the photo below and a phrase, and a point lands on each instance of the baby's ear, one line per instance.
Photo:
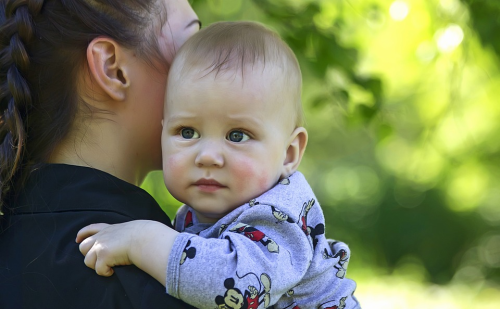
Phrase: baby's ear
(294, 152)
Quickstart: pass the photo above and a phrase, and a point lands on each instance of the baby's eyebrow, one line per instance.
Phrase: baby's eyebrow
(247, 119)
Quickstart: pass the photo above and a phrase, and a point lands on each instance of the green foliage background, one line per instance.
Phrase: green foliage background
(402, 108)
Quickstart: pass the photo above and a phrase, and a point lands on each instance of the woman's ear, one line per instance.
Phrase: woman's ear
(106, 63)
(294, 152)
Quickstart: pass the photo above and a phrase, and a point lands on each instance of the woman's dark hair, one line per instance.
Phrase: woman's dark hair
(43, 46)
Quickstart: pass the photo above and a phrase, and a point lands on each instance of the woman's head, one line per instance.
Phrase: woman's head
(48, 72)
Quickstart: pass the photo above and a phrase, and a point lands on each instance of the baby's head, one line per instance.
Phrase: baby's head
(233, 117)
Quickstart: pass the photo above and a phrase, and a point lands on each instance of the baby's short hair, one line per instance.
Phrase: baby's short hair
(239, 46)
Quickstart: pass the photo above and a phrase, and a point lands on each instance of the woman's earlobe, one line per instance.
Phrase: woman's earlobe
(295, 151)
(104, 57)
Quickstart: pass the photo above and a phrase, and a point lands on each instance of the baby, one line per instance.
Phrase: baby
(252, 231)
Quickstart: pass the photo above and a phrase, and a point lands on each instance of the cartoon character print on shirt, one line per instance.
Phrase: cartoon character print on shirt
(222, 228)
(284, 181)
(188, 253)
(255, 235)
(314, 232)
(251, 298)
(341, 265)
(278, 214)
(341, 304)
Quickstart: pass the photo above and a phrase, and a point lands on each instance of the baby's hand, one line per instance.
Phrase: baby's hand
(146, 244)
(106, 246)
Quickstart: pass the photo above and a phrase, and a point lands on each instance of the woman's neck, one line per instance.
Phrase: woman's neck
(105, 147)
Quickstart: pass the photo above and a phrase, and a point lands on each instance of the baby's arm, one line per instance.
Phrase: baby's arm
(146, 244)
(254, 259)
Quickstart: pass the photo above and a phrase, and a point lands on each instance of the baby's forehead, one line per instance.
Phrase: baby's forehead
(264, 83)
(244, 76)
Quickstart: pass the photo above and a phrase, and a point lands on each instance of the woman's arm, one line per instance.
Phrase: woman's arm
(146, 244)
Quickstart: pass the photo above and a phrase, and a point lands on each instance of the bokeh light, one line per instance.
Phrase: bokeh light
(399, 10)
(449, 38)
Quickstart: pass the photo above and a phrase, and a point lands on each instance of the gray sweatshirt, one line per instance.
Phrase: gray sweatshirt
(269, 252)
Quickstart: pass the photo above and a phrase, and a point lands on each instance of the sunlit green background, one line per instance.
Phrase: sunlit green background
(403, 113)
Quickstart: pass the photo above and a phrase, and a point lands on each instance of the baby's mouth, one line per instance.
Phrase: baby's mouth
(208, 185)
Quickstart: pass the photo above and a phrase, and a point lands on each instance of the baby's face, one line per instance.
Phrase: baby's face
(224, 139)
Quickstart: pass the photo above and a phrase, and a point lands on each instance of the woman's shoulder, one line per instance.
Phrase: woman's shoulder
(37, 241)
(65, 188)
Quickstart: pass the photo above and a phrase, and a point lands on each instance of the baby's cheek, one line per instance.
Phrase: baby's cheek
(172, 168)
(251, 177)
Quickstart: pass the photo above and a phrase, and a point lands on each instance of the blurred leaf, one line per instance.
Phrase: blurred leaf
(485, 15)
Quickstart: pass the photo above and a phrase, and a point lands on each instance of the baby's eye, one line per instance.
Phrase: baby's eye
(189, 133)
(237, 136)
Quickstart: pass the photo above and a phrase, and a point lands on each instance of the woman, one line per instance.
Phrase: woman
(81, 91)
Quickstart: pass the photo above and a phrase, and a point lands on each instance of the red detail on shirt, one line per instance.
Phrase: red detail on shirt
(304, 225)
(252, 303)
(255, 235)
(188, 221)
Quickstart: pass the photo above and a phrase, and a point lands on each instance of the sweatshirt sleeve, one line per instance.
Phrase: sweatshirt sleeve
(253, 263)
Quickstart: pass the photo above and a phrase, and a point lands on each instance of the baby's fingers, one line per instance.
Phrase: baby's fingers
(102, 269)
(86, 245)
(90, 259)
(98, 265)
(90, 230)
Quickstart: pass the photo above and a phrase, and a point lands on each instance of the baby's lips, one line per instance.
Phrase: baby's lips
(208, 182)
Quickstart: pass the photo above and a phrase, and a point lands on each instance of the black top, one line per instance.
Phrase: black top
(40, 263)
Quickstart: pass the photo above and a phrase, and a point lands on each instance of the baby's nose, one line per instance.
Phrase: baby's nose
(210, 155)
